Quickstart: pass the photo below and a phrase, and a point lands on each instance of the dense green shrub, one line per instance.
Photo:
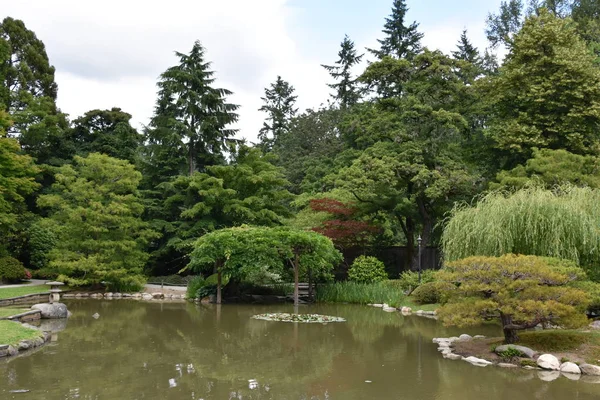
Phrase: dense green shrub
(44, 273)
(432, 292)
(409, 280)
(366, 269)
(196, 283)
(11, 270)
(41, 240)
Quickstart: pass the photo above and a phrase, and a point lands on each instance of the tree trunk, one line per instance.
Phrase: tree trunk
(296, 273)
(310, 288)
(191, 157)
(219, 286)
(510, 335)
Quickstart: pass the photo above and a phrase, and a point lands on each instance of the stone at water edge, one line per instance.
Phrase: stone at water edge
(465, 338)
(526, 351)
(389, 309)
(569, 368)
(478, 337)
(453, 357)
(406, 310)
(549, 362)
(589, 369)
(52, 311)
(378, 305)
(506, 365)
(595, 325)
(477, 361)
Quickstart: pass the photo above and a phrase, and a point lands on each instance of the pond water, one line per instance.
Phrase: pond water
(138, 350)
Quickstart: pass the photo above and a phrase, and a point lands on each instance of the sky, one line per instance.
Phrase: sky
(110, 53)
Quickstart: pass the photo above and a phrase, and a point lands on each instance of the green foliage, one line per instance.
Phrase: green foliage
(520, 291)
(550, 168)
(528, 363)
(366, 269)
(95, 214)
(17, 180)
(11, 270)
(279, 102)
(360, 293)
(562, 223)
(547, 93)
(194, 285)
(409, 280)
(347, 92)
(41, 240)
(105, 131)
(432, 292)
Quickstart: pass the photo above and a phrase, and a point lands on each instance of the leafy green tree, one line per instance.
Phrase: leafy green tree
(520, 291)
(28, 93)
(105, 131)
(95, 214)
(400, 41)
(551, 168)
(234, 252)
(17, 180)
(279, 102)
(561, 223)
(586, 13)
(191, 114)
(346, 91)
(249, 191)
(307, 151)
(547, 94)
(306, 251)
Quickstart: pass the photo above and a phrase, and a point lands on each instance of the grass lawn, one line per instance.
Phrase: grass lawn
(6, 293)
(8, 312)
(14, 332)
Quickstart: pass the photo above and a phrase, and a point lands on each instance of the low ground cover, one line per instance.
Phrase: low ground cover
(13, 332)
(8, 292)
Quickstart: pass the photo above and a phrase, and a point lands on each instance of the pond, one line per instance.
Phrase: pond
(138, 350)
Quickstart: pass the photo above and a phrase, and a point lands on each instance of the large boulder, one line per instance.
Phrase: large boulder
(595, 325)
(549, 362)
(52, 311)
(589, 369)
(570, 368)
(525, 351)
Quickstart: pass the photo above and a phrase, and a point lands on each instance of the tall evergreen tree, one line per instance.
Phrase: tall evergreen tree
(547, 93)
(28, 93)
(196, 113)
(279, 104)
(472, 65)
(400, 41)
(347, 93)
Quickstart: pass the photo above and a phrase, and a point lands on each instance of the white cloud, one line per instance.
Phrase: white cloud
(110, 53)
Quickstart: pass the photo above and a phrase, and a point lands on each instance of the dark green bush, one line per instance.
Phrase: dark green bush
(409, 280)
(44, 273)
(194, 285)
(366, 269)
(11, 270)
(40, 241)
(431, 292)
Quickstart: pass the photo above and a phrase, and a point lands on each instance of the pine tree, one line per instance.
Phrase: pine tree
(347, 93)
(471, 65)
(401, 41)
(279, 104)
(194, 111)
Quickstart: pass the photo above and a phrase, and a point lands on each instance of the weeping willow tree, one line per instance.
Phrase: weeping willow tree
(562, 223)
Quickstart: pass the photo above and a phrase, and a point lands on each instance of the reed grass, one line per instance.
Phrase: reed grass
(360, 293)
(562, 223)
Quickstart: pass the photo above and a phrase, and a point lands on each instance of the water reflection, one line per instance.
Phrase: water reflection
(180, 351)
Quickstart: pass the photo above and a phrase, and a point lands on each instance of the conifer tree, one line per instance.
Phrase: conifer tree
(346, 91)
(400, 41)
(472, 65)
(279, 104)
(195, 113)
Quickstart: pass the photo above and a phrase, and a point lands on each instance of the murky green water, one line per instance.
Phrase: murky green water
(137, 350)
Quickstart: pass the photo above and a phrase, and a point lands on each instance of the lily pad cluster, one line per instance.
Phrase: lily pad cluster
(304, 318)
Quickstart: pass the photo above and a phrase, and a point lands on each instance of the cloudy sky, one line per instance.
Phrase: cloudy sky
(109, 53)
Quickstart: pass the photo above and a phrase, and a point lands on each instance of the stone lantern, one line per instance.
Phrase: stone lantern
(55, 291)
